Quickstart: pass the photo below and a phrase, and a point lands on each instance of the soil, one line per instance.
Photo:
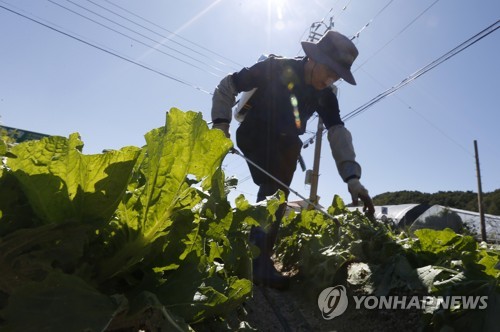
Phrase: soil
(297, 309)
(299, 312)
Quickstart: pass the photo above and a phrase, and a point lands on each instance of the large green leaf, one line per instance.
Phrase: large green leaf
(178, 164)
(3, 147)
(15, 210)
(491, 261)
(380, 280)
(32, 253)
(195, 298)
(62, 184)
(440, 241)
(185, 148)
(152, 225)
(61, 302)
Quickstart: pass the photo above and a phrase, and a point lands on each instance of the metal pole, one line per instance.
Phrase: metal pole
(313, 196)
(480, 194)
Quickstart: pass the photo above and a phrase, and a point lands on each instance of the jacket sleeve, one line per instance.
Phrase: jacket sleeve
(343, 152)
(230, 86)
(223, 100)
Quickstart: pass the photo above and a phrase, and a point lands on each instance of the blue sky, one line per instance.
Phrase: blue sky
(419, 138)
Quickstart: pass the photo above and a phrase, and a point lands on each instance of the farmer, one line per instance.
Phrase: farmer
(288, 92)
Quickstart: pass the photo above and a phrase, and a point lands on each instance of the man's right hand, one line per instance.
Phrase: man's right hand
(222, 126)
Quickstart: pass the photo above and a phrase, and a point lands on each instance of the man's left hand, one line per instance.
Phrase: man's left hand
(222, 126)
(358, 191)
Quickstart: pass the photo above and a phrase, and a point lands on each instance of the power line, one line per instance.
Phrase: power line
(114, 54)
(323, 20)
(311, 140)
(346, 5)
(108, 19)
(107, 51)
(429, 122)
(466, 44)
(396, 36)
(132, 38)
(158, 34)
(356, 35)
(173, 33)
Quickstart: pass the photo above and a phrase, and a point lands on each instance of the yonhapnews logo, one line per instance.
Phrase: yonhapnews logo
(333, 301)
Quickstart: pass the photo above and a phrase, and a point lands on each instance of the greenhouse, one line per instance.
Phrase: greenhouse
(415, 216)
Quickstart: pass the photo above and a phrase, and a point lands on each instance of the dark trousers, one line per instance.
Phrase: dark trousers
(278, 155)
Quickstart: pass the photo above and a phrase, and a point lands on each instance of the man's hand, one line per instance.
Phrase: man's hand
(222, 126)
(358, 191)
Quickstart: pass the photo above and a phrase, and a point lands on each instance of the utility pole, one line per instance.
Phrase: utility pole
(480, 194)
(313, 196)
(315, 35)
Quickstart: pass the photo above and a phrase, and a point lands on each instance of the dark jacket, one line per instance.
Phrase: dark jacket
(283, 102)
(278, 113)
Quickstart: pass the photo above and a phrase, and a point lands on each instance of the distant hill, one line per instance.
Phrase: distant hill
(466, 200)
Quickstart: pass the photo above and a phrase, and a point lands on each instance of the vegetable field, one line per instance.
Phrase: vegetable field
(145, 238)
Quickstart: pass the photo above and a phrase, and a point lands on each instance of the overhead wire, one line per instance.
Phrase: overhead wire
(429, 122)
(461, 47)
(166, 38)
(356, 35)
(397, 35)
(346, 5)
(130, 37)
(110, 52)
(311, 140)
(309, 28)
(51, 27)
(323, 19)
(240, 181)
(350, 115)
(175, 34)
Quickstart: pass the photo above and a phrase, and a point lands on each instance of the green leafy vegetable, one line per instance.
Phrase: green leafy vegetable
(145, 238)
(116, 234)
(375, 260)
(64, 185)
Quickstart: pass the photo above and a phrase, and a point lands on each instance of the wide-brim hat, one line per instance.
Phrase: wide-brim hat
(335, 51)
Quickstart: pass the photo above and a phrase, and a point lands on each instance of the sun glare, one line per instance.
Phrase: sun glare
(277, 6)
